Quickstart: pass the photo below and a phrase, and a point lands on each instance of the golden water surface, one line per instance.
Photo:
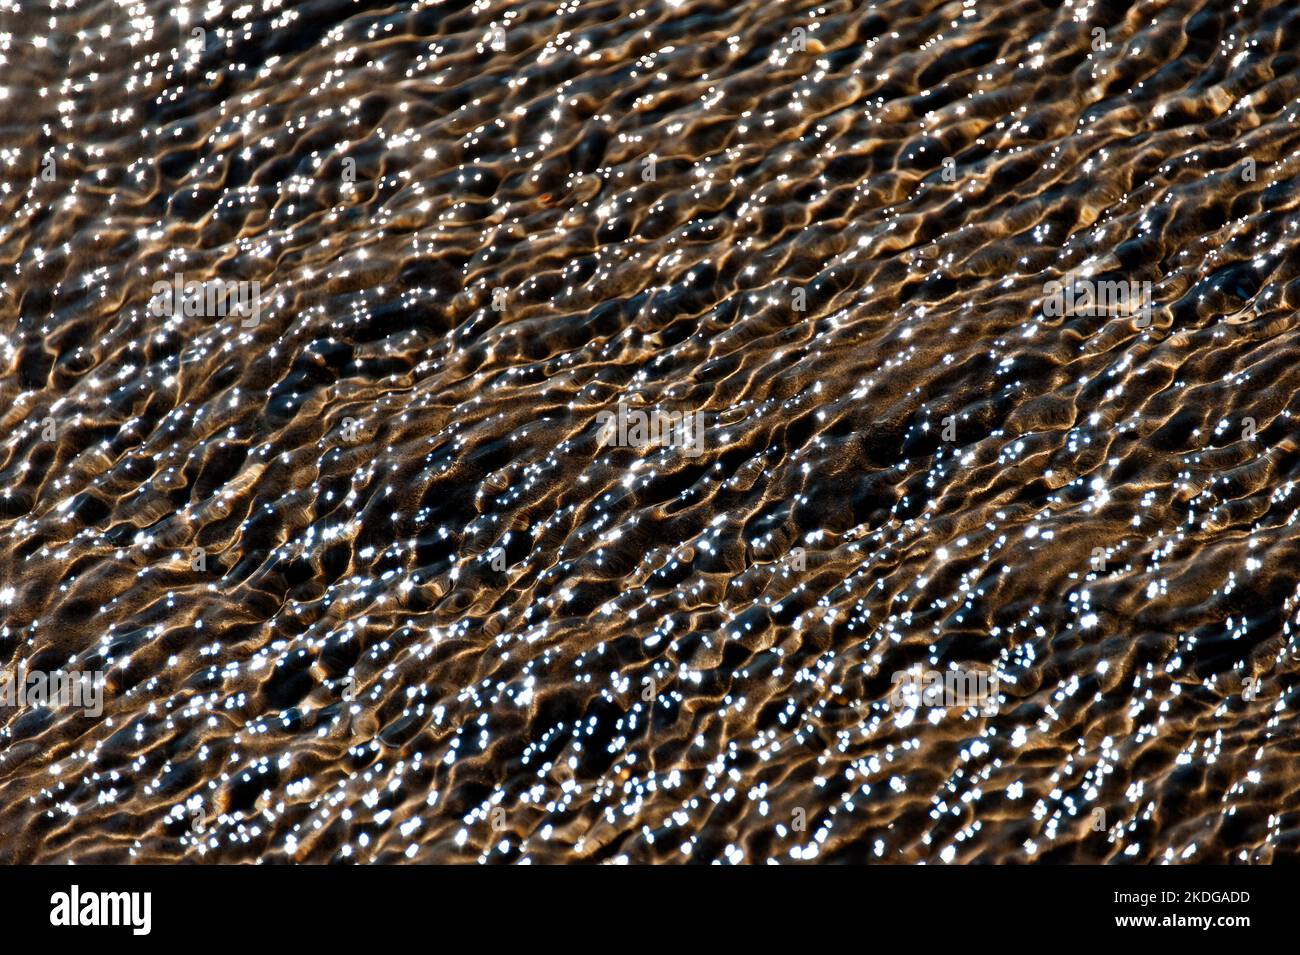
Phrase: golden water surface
(365, 578)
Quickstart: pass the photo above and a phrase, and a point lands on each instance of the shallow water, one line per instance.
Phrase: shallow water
(439, 612)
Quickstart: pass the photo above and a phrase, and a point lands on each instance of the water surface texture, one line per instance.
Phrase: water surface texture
(368, 580)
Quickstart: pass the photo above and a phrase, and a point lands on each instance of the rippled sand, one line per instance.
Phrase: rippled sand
(365, 583)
